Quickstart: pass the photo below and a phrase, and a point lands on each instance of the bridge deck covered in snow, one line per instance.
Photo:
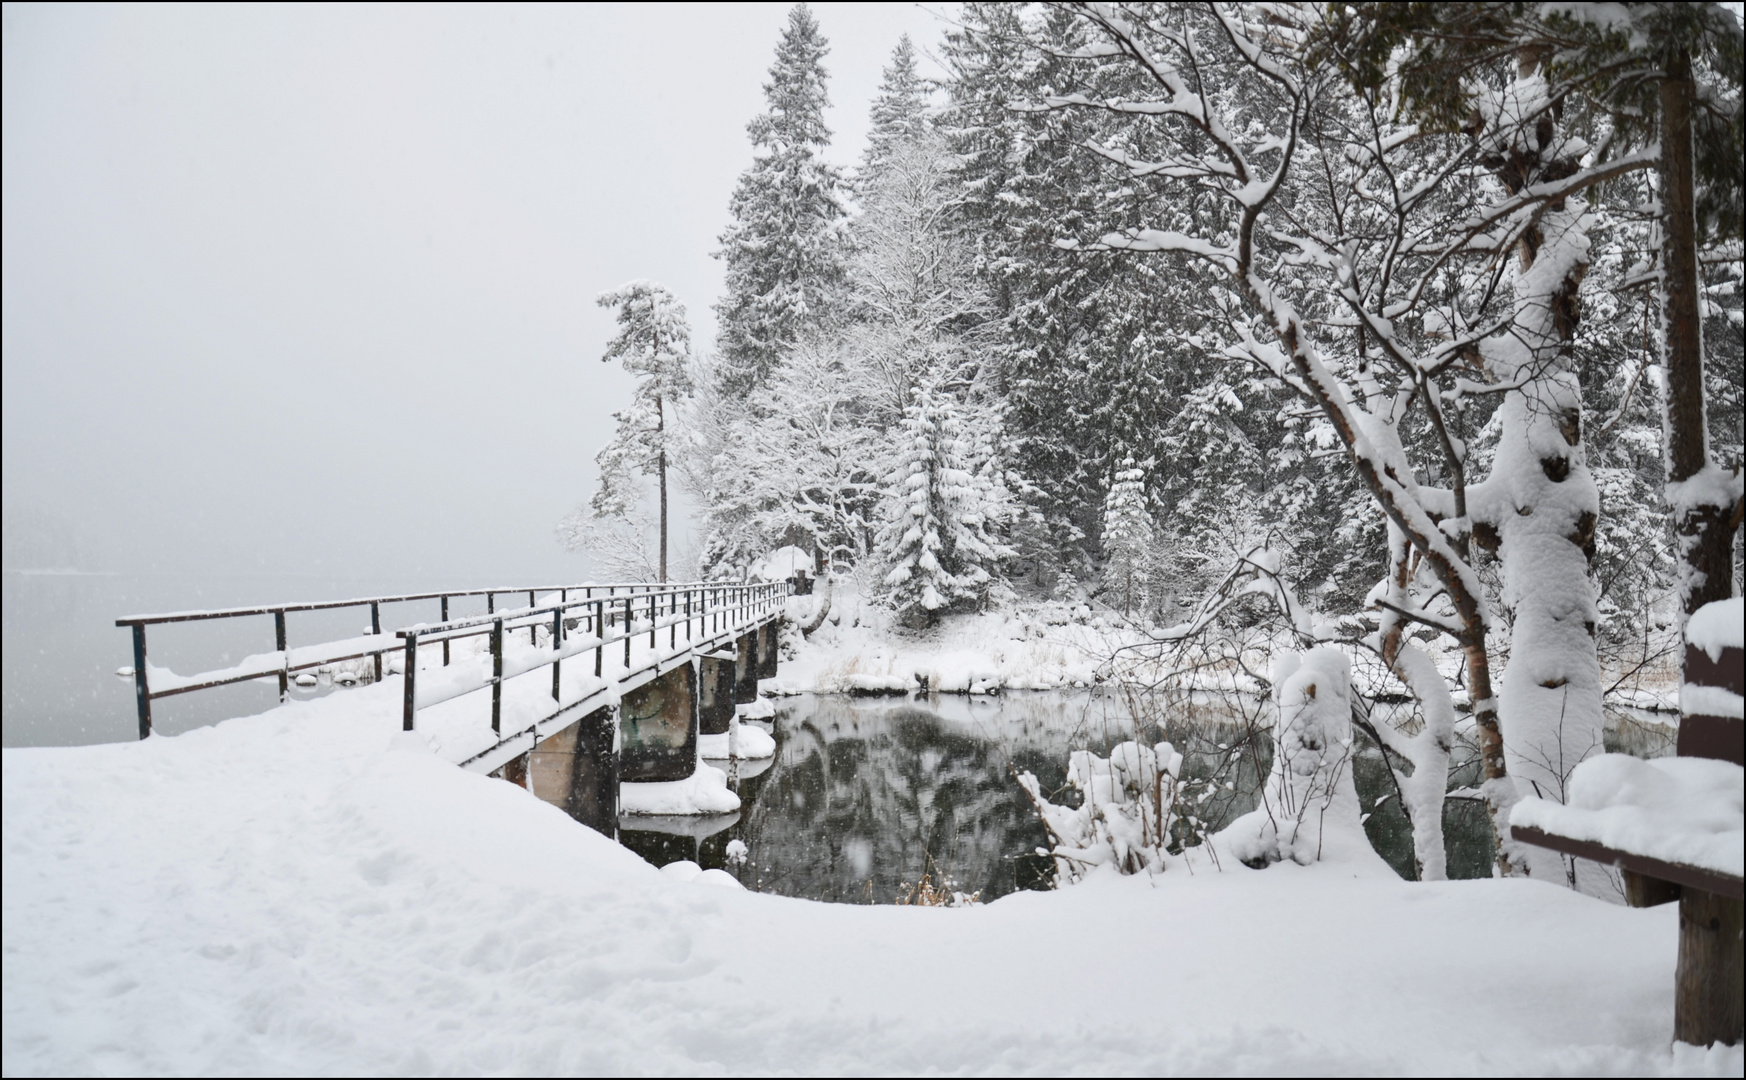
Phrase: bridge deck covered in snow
(485, 689)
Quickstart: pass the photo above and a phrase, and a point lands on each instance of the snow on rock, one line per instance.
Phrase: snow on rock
(705, 791)
(1676, 809)
(309, 892)
(750, 742)
(862, 682)
(762, 709)
(743, 741)
(1718, 625)
(719, 747)
(686, 870)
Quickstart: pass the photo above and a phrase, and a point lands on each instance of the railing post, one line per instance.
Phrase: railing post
(445, 640)
(284, 656)
(557, 646)
(627, 634)
(497, 677)
(532, 637)
(599, 635)
(654, 599)
(141, 692)
(410, 704)
(375, 629)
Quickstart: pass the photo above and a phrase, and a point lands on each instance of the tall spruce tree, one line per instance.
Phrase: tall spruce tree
(939, 539)
(899, 112)
(784, 248)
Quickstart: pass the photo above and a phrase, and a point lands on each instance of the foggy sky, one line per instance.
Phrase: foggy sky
(311, 290)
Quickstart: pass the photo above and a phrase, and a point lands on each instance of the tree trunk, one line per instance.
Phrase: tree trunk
(1540, 504)
(1701, 528)
(661, 468)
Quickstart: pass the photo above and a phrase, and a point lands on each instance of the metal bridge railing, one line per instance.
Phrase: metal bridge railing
(702, 610)
(285, 661)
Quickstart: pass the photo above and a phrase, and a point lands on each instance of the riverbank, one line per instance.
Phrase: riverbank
(311, 891)
(859, 648)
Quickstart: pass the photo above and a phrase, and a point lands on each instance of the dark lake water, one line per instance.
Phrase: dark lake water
(867, 794)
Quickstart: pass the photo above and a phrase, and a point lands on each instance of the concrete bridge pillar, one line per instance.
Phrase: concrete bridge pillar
(576, 769)
(746, 669)
(658, 727)
(767, 650)
(716, 693)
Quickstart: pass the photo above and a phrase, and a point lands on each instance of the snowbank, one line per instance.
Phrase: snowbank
(311, 892)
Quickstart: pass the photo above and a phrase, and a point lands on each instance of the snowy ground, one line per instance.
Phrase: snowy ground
(309, 891)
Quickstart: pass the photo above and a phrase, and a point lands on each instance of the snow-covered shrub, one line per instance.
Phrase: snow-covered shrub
(1309, 796)
(1126, 814)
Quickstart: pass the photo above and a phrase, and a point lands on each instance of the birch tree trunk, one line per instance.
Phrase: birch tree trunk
(1539, 507)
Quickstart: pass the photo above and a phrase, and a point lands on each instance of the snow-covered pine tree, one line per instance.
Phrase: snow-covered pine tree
(899, 111)
(783, 250)
(653, 343)
(1082, 355)
(938, 541)
(986, 60)
(1127, 534)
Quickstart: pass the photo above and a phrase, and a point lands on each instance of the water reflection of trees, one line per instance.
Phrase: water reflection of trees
(863, 797)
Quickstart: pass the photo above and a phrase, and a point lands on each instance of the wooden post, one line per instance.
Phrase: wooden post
(409, 703)
(1709, 1000)
(445, 640)
(599, 635)
(375, 628)
(1708, 1006)
(557, 645)
(142, 694)
(284, 657)
(497, 676)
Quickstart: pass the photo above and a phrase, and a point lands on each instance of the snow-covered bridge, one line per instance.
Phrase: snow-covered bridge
(567, 694)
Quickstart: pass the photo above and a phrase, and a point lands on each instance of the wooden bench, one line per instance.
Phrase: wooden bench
(1710, 983)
